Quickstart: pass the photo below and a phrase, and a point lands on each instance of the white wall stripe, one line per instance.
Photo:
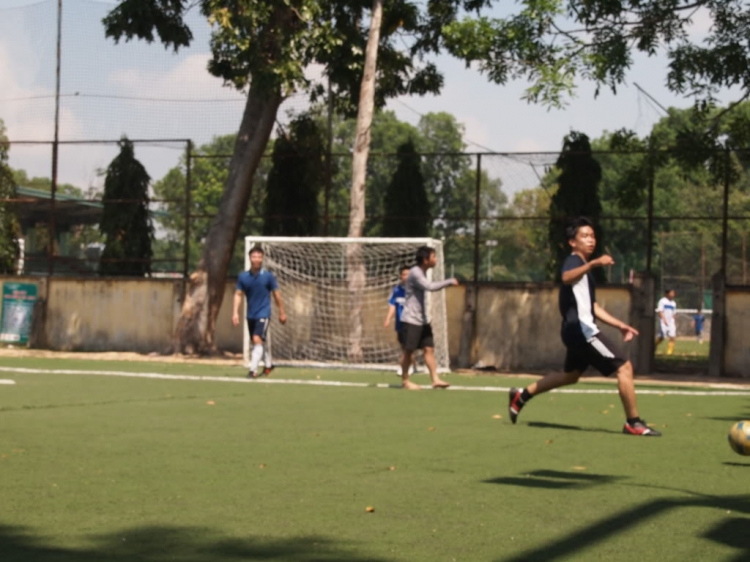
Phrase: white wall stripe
(361, 384)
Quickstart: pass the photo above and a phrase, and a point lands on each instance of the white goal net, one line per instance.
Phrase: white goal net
(335, 292)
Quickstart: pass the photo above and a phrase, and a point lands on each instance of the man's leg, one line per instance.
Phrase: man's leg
(431, 364)
(634, 424)
(405, 364)
(670, 346)
(255, 355)
(518, 397)
(626, 387)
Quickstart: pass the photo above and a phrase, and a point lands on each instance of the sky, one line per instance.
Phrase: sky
(179, 99)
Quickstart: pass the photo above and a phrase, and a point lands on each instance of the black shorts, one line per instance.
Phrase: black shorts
(400, 336)
(258, 327)
(599, 353)
(417, 337)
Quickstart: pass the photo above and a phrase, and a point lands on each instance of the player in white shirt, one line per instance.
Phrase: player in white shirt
(666, 309)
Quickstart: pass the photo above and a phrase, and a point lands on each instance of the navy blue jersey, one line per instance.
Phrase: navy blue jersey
(398, 297)
(257, 289)
(577, 305)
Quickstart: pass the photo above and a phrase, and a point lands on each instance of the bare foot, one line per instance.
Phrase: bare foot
(408, 385)
(439, 383)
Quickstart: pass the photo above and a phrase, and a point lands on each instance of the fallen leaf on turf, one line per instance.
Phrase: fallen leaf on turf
(688, 415)
(605, 411)
(317, 377)
(369, 509)
(611, 405)
(497, 417)
(210, 402)
(579, 468)
(391, 468)
(548, 442)
(430, 429)
(316, 434)
(262, 465)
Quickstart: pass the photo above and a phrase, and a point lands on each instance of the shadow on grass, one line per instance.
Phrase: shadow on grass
(730, 531)
(742, 464)
(545, 425)
(554, 480)
(179, 544)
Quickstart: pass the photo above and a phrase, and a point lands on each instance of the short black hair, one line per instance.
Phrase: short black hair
(667, 291)
(572, 229)
(403, 267)
(256, 250)
(423, 254)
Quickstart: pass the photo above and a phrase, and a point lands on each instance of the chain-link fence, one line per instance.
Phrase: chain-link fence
(494, 212)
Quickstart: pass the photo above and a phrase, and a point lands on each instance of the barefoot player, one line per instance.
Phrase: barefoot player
(417, 332)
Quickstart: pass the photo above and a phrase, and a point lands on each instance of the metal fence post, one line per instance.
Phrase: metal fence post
(188, 205)
(650, 212)
(725, 213)
(476, 218)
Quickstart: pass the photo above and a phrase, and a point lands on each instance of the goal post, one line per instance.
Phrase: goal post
(312, 277)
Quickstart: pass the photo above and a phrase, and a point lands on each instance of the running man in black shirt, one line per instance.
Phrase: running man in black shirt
(585, 344)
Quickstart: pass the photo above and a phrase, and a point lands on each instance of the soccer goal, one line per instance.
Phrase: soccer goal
(335, 293)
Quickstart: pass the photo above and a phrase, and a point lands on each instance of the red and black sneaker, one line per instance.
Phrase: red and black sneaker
(515, 403)
(267, 370)
(252, 374)
(640, 428)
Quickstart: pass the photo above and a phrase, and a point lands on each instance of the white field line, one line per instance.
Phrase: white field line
(7, 381)
(356, 384)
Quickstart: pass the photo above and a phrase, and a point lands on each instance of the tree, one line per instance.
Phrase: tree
(209, 165)
(577, 195)
(263, 47)
(407, 195)
(295, 180)
(125, 221)
(557, 42)
(10, 230)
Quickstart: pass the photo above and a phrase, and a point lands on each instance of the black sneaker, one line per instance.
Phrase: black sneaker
(252, 375)
(267, 370)
(640, 428)
(515, 403)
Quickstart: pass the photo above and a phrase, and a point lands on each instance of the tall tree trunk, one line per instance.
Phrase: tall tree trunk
(356, 275)
(205, 290)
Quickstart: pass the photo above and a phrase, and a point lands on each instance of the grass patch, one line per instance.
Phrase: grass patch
(100, 468)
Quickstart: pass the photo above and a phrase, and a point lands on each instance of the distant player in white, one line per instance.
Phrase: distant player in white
(667, 325)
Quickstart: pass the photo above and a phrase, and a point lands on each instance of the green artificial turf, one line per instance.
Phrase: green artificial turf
(97, 468)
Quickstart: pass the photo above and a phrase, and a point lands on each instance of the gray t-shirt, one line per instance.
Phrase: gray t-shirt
(416, 284)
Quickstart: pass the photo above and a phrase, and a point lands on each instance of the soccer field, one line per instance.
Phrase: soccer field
(105, 467)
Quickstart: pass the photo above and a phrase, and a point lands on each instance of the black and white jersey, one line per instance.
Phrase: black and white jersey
(577, 305)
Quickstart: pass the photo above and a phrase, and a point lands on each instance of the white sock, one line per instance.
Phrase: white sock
(255, 357)
(266, 356)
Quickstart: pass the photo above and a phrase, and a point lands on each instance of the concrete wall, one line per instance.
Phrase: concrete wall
(119, 314)
(518, 325)
(111, 315)
(736, 349)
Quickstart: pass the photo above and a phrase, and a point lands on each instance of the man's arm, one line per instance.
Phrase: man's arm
(236, 307)
(571, 276)
(628, 332)
(390, 315)
(420, 280)
(280, 304)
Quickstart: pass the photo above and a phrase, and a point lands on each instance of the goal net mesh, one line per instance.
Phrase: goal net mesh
(314, 277)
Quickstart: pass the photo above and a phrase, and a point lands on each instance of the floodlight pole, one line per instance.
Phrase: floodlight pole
(55, 147)
(725, 214)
